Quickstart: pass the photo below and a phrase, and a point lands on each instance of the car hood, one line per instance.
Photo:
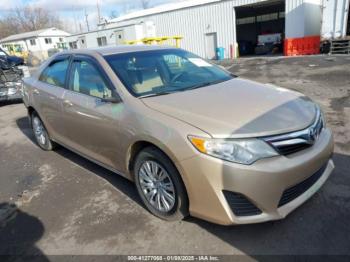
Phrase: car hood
(15, 60)
(238, 108)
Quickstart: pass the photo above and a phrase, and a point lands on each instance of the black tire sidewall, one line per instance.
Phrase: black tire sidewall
(180, 209)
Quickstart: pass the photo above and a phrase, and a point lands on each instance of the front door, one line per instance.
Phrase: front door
(210, 45)
(92, 125)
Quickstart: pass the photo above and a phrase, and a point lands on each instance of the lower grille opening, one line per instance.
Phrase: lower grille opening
(240, 205)
(295, 191)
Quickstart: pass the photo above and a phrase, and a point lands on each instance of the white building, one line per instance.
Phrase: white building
(36, 42)
(208, 24)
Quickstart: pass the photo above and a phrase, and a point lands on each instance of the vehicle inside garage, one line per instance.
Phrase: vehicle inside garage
(260, 28)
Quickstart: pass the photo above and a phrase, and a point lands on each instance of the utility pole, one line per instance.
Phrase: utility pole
(75, 18)
(87, 21)
(98, 12)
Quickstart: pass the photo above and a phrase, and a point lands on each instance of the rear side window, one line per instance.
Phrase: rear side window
(55, 73)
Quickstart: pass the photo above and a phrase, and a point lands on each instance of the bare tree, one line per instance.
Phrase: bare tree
(27, 19)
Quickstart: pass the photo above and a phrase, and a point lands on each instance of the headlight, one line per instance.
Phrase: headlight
(242, 151)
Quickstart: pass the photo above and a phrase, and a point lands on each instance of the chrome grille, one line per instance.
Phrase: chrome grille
(290, 143)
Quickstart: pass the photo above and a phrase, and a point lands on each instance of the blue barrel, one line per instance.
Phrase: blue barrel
(220, 53)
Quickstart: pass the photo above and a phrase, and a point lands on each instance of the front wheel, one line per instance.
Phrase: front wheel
(40, 133)
(159, 185)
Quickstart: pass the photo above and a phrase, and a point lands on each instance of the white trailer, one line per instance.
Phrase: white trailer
(335, 19)
(335, 30)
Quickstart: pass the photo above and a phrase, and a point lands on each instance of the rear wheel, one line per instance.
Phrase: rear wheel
(159, 185)
(40, 133)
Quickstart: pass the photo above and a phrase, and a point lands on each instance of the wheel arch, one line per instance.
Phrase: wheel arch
(138, 146)
(30, 111)
(141, 144)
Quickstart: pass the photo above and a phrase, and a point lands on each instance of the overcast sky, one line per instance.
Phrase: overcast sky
(72, 11)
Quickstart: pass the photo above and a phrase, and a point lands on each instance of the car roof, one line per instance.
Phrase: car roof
(111, 50)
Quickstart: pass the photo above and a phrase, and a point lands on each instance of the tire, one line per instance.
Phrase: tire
(40, 133)
(169, 183)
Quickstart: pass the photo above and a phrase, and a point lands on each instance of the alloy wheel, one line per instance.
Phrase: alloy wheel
(39, 131)
(157, 186)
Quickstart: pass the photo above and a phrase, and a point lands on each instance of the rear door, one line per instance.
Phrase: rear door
(92, 125)
(48, 93)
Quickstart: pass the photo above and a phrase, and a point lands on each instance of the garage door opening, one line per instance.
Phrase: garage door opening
(260, 28)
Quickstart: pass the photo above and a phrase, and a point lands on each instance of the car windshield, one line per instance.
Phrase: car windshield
(159, 72)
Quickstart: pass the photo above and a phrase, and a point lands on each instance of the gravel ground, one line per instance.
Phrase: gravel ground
(59, 203)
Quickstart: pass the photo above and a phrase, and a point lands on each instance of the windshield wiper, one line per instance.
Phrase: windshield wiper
(205, 84)
(158, 94)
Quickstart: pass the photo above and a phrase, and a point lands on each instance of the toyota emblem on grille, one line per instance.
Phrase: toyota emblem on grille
(312, 135)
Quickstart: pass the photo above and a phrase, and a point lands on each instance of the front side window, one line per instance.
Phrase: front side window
(156, 72)
(86, 79)
(55, 73)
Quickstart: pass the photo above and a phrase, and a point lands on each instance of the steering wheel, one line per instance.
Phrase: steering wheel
(177, 76)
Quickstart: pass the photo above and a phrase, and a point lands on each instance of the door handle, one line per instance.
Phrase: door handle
(67, 103)
(36, 92)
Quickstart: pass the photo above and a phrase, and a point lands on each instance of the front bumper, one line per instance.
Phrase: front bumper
(10, 93)
(10, 97)
(262, 183)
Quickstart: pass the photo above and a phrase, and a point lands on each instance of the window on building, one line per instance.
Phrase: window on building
(267, 17)
(60, 39)
(73, 45)
(55, 73)
(32, 42)
(246, 20)
(48, 41)
(102, 41)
